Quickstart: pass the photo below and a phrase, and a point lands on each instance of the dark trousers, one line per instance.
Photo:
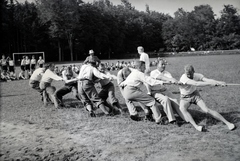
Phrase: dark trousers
(65, 90)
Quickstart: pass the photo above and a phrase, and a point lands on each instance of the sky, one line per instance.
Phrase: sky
(171, 6)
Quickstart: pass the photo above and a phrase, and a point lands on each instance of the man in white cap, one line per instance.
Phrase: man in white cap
(86, 89)
(92, 57)
(190, 95)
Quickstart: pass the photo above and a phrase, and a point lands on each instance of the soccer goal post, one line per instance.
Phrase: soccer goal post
(17, 57)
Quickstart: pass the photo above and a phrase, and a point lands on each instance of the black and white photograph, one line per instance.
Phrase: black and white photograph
(120, 80)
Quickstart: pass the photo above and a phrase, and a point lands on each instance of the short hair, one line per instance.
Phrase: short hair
(101, 65)
(161, 60)
(46, 66)
(51, 65)
(139, 63)
(188, 68)
(140, 48)
(125, 72)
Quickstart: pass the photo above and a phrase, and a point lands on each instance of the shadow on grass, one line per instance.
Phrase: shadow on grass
(198, 116)
(72, 103)
(12, 95)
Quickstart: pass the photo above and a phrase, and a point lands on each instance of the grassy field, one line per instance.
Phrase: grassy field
(30, 131)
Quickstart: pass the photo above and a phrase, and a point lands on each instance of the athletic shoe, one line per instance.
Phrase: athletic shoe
(148, 117)
(162, 121)
(92, 114)
(135, 117)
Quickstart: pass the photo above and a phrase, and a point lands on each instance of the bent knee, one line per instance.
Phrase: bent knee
(207, 110)
(163, 100)
(50, 90)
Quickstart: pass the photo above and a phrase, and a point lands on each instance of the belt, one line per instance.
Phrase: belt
(189, 95)
(83, 79)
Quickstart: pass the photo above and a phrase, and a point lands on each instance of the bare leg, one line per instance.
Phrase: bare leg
(175, 107)
(183, 107)
(215, 114)
(44, 98)
(104, 109)
(174, 103)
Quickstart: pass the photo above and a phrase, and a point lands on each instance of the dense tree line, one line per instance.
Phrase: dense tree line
(67, 29)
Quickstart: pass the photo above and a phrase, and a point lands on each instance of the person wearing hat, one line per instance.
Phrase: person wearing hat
(92, 57)
(86, 89)
(190, 95)
(162, 95)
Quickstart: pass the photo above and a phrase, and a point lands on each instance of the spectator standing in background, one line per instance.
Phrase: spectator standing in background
(40, 62)
(23, 68)
(33, 64)
(92, 57)
(28, 62)
(145, 58)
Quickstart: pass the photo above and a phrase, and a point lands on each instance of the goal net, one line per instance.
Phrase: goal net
(17, 57)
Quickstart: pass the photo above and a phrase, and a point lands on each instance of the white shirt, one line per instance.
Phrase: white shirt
(189, 89)
(145, 58)
(27, 61)
(40, 61)
(88, 72)
(37, 74)
(33, 61)
(49, 76)
(3, 62)
(154, 74)
(11, 63)
(23, 62)
(137, 78)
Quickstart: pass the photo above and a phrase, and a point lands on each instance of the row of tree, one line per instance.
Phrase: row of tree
(67, 29)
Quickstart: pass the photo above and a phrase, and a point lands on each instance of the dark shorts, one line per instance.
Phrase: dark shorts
(40, 65)
(11, 69)
(23, 67)
(28, 67)
(33, 66)
(4, 67)
(193, 98)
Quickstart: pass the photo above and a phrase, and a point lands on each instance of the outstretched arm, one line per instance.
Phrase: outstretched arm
(200, 83)
(214, 81)
(164, 78)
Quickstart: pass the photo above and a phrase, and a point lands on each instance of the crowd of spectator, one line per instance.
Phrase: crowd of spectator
(8, 72)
